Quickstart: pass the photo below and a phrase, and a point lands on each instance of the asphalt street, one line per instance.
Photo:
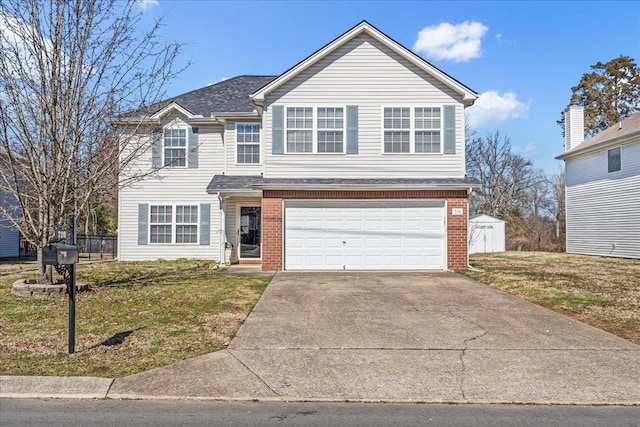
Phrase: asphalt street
(72, 413)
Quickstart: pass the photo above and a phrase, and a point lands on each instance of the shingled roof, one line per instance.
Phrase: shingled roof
(228, 96)
(627, 128)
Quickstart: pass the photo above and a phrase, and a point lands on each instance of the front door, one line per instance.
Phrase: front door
(249, 232)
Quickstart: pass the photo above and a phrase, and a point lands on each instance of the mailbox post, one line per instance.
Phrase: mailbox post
(64, 257)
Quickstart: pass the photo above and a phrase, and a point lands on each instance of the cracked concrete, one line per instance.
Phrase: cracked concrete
(465, 347)
(410, 337)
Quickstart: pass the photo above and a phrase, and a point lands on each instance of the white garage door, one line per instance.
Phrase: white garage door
(365, 235)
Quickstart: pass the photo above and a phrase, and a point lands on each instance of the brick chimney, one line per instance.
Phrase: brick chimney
(573, 127)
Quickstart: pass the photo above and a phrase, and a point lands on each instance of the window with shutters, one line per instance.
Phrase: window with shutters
(315, 130)
(299, 124)
(175, 147)
(173, 224)
(330, 130)
(412, 130)
(248, 143)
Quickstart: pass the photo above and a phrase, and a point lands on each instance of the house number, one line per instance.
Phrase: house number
(456, 211)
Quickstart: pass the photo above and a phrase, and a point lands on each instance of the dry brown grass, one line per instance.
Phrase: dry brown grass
(601, 291)
(137, 316)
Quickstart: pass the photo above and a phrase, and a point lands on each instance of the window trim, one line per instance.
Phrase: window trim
(619, 148)
(259, 144)
(412, 128)
(171, 126)
(174, 224)
(314, 129)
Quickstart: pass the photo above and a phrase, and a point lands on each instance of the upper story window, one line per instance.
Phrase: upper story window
(412, 130)
(175, 147)
(315, 130)
(614, 159)
(173, 224)
(397, 130)
(248, 143)
(427, 130)
(299, 129)
(330, 130)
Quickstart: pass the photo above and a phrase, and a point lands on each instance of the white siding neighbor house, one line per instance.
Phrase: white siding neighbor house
(486, 234)
(602, 187)
(9, 209)
(351, 159)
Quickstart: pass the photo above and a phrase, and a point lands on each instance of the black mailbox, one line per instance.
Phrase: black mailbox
(59, 253)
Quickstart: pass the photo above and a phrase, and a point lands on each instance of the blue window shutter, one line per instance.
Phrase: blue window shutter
(277, 129)
(156, 150)
(449, 117)
(205, 223)
(352, 129)
(143, 223)
(192, 156)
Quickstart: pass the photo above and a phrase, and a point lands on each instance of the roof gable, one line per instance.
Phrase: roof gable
(468, 95)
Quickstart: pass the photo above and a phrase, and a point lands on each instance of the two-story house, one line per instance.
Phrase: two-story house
(353, 159)
(602, 187)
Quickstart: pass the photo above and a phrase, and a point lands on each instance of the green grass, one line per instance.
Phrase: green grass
(604, 292)
(137, 316)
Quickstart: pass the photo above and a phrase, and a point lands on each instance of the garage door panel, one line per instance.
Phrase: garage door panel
(364, 235)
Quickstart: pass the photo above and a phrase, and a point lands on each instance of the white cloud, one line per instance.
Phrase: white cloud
(503, 40)
(457, 43)
(491, 108)
(145, 4)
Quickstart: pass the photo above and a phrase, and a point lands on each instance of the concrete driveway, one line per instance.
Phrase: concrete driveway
(409, 337)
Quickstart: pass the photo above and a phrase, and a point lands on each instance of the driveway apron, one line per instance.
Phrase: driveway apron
(403, 337)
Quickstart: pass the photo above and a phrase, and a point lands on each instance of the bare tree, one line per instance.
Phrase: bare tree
(66, 67)
(557, 185)
(506, 177)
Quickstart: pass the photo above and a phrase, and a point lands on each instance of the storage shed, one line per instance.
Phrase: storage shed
(486, 234)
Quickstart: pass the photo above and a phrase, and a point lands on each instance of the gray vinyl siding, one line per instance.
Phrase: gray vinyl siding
(175, 186)
(603, 209)
(9, 235)
(365, 73)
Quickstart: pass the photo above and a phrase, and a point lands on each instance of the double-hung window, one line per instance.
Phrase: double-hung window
(248, 142)
(427, 130)
(175, 147)
(299, 129)
(397, 130)
(330, 130)
(161, 224)
(173, 224)
(186, 224)
(412, 130)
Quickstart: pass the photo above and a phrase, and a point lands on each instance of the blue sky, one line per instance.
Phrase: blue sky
(523, 57)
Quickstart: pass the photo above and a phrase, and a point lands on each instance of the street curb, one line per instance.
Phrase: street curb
(54, 387)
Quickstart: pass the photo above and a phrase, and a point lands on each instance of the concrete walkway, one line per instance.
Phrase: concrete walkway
(410, 337)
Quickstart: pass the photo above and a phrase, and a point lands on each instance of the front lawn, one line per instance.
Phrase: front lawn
(603, 292)
(137, 316)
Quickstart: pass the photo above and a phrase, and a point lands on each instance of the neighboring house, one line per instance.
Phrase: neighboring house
(602, 187)
(352, 159)
(486, 234)
(9, 234)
